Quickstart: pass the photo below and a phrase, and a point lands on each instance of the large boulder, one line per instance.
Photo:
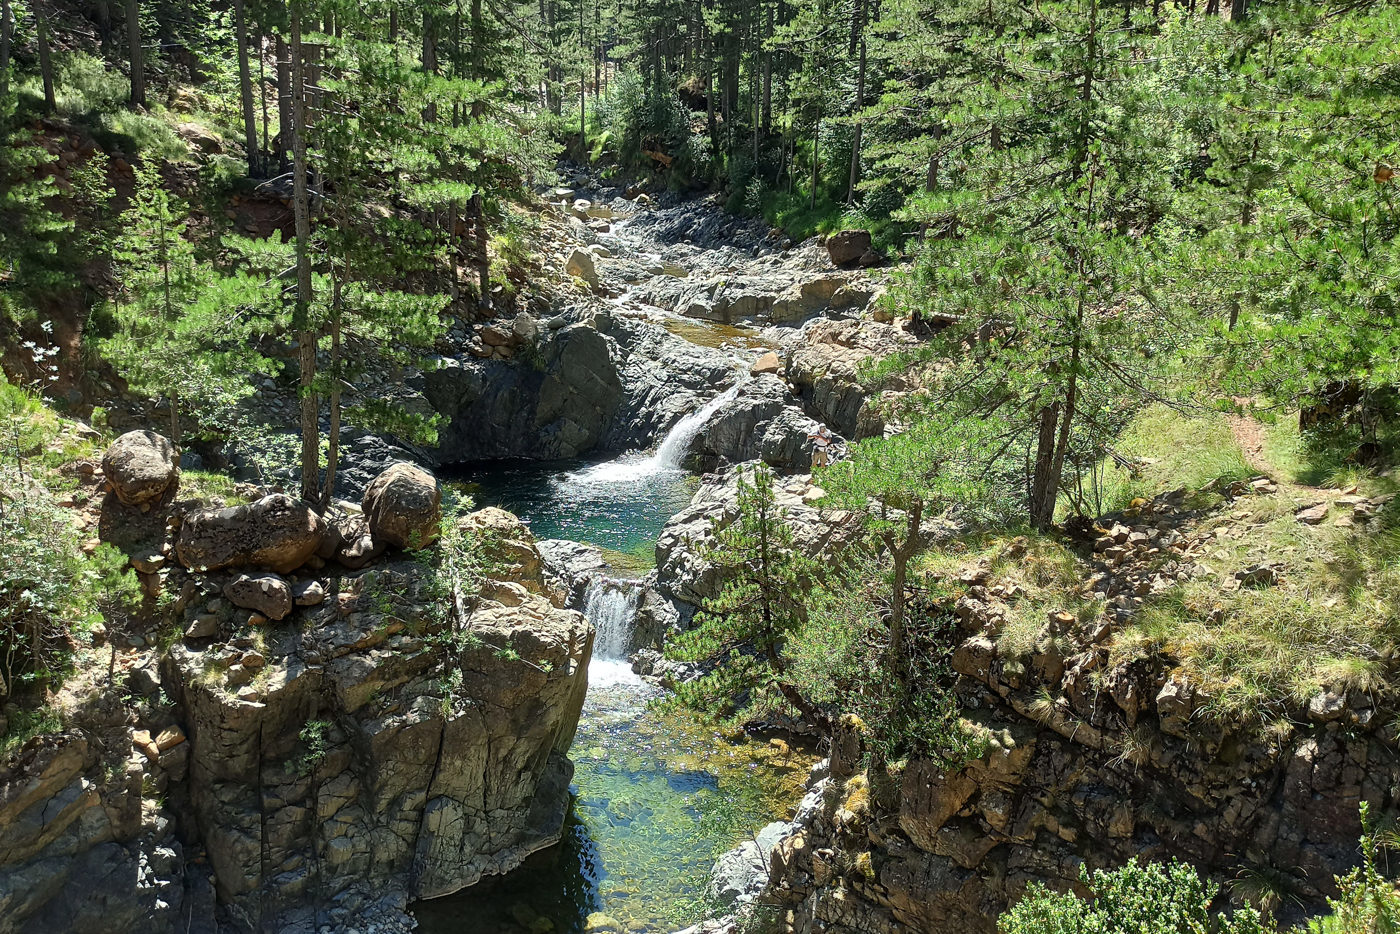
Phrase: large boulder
(847, 247)
(275, 532)
(267, 594)
(804, 299)
(141, 466)
(580, 263)
(404, 507)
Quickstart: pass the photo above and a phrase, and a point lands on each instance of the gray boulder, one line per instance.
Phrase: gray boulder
(141, 466)
(739, 876)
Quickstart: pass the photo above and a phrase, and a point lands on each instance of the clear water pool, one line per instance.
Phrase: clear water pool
(621, 505)
(657, 796)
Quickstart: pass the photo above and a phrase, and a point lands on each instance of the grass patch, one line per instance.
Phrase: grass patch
(1331, 622)
(205, 485)
(24, 725)
(1169, 450)
(1037, 575)
(1310, 460)
(797, 218)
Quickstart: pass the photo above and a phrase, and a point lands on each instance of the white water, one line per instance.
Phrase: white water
(611, 606)
(631, 468)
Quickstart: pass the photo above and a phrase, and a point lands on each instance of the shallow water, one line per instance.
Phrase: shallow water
(658, 795)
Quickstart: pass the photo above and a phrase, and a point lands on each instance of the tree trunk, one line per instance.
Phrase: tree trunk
(481, 258)
(768, 74)
(393, 24)
(7, 26)
(333, 436)
(137, 54)
(301, 315)
(175, 437)
(1042, 493)
(816, 138)
(855, 138)
(104, 26)
(41, 24)
(284, 98)
(245, 89)
(900, 553)
(1238, 10)
(430, 63)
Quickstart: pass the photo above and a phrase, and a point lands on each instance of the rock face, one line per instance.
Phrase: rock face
(404, 507)
(847, 247)
(825, 366)
(75, 853)
(764, 422)
(1125, 761)
(360, 748)
(275, 532)
(600, 383)
(684, 574)
(141, 466)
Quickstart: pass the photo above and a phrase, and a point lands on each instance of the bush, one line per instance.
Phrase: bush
(1137, 899)
(51, 593)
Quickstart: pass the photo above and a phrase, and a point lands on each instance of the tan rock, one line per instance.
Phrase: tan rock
(403, 506)
(141, 467)
(767, 363)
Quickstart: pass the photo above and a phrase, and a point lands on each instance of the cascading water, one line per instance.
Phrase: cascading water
(669, 454)
(611, 606)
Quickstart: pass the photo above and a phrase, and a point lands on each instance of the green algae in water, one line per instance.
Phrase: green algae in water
(658, 795)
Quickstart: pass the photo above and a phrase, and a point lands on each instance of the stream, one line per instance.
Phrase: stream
(658, 793)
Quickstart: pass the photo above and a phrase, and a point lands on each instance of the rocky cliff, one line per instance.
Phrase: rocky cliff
(1093, 755)
(294, 741)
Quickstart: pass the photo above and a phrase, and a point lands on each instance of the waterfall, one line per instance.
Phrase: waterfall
(669, 454)
(677, 441)
(611, 606)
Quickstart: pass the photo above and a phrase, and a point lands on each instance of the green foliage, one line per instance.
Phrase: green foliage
(1369, 903)
(1137, 899)
(316, 743)
(181, 328)
(766, 587)
(51, 592)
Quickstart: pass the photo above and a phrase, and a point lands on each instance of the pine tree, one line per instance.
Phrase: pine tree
(898, 484)
(766, 583)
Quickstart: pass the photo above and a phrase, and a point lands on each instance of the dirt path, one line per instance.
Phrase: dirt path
(1249, 435)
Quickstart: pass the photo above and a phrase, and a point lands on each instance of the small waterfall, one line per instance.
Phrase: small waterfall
(611, 606)
(669, 454)
(677, 441)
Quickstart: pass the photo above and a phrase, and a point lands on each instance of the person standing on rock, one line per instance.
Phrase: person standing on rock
(822, 441)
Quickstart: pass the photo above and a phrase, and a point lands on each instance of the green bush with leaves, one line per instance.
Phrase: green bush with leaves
(1140, 898)
(1369, 903)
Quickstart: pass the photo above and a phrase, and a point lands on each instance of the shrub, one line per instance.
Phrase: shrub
(1136, 899)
